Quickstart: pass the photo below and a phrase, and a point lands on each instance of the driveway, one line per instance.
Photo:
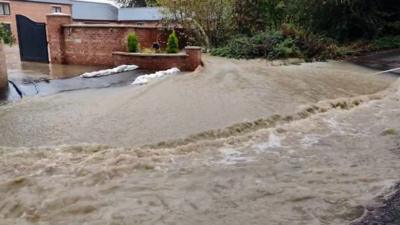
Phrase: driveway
(18, 70)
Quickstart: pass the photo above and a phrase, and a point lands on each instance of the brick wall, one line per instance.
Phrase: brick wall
(94, 44)
(34, 11)
(55, 37)
(187, 61)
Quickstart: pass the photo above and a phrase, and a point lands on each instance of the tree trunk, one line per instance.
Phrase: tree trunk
(3, 69)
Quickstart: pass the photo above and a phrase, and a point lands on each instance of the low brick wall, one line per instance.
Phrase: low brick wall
(187, 61)
(93, 44)
(106, 45)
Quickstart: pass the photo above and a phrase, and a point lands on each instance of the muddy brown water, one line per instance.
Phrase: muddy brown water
(312, 144)
(31, 78)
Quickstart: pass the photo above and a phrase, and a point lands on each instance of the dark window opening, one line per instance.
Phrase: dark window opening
(4, 9)
(56, 9)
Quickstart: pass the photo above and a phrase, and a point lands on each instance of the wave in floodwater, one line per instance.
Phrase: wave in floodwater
(322, 165)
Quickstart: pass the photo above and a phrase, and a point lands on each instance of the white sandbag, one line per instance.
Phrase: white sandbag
(100, 73)
(144, 79)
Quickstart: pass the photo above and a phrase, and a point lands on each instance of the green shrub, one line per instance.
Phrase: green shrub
(386, 43)
(173, 43)
(284, 49)
(290, 41)
(133, 43)
(5, 36)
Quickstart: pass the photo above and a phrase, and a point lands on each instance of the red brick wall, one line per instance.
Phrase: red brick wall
(188, 61)
(34, 11)
(55, 37)
(94, 44)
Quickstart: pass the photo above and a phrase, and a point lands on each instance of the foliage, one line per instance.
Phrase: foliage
(5, 36)
(284, 49)
(136, 3)
(133, 43)
(209, 21)
(173, 43)
(287, 42)
(389, 42)
(311, 29)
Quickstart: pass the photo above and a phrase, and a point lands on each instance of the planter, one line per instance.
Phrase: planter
(185, 61)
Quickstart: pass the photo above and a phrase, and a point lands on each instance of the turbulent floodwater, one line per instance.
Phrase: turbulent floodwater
(322, 169)
(302, 159)
(224, 93)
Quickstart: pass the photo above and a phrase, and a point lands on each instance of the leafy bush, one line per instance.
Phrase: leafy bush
(239, 47)
(173, 43)
(133, 43)
(5, 36)
(288, 42)
(386, 43)
(284, 49)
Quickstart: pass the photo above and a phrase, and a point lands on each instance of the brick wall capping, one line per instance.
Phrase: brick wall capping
(193, 47)
(108, 26)
(57, 15)
(136, 54)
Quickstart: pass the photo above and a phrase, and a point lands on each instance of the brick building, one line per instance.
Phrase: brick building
(35, 10)
(82, 12)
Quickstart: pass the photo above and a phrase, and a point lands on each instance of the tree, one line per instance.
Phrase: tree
(137, 3)
(208, 20)
(349, 19)
(133, 43)
(173, 43)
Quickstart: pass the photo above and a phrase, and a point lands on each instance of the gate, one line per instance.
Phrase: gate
(32, 40)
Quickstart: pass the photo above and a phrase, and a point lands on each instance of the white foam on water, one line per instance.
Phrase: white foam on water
(274, 141)
(232, 157)
(144, 79)
(310, 140)
(118, 69)
(334, 125)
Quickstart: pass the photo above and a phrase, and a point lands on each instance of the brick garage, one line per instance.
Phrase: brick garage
(94, 44)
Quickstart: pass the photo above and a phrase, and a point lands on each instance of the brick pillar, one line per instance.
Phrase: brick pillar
(55, 36)
(3, 69)
(194, 57)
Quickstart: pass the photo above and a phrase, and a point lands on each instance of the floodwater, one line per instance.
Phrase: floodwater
(18, 70)
(31, 78)
(235, 143)
(224, 93)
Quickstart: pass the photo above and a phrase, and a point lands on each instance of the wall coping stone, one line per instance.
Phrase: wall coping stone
(193, 47)
(150, 54)
(58, 15)
(107, 26)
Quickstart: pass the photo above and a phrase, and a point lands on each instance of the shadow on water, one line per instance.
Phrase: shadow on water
(29, 86)
(380, 61)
